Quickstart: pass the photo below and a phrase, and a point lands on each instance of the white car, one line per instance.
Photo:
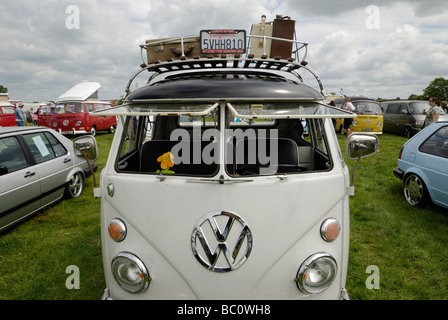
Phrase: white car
(38, 167)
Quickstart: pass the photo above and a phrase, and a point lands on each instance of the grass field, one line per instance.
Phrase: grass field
(408, 246)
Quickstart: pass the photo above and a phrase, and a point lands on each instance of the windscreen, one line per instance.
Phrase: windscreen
(369, 108)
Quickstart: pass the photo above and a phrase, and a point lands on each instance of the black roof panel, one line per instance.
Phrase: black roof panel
(224, 85)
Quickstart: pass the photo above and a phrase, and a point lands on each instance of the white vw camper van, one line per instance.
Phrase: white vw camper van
(225, 180)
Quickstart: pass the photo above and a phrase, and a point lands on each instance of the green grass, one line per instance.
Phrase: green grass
(408, 245)
(35, 254)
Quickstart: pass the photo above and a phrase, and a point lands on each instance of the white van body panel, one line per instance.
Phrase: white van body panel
(284, 216)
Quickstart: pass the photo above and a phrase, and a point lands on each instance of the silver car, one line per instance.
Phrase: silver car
(38, 167)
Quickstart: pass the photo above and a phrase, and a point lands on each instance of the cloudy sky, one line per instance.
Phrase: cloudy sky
(378, 48)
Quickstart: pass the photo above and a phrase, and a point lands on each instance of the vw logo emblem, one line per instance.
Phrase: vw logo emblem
(221, 241)
(65, 122)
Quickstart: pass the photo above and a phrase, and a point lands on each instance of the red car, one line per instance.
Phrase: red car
(7, 117)
(73, 117)
(71, 113)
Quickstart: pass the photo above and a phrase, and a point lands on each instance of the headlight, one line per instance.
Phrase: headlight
(355, 123)
(78, 123)
(317, 273)
(130, 272)
(379, 124)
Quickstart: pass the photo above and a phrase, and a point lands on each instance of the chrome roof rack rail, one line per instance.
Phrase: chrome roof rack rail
(234, 61)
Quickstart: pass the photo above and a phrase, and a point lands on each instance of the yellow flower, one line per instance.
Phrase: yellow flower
(166, 160)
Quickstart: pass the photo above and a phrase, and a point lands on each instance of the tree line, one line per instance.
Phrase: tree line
(437, 88)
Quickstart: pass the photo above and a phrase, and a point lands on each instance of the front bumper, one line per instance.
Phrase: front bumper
(398, 173)
(106, 294)
(73, 132)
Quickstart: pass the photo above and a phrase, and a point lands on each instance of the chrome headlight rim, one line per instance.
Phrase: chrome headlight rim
(302, 279)
(128, 259)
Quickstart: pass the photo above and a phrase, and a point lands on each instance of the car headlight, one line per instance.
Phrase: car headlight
(355, 123)
(78, 123)
(379, 124)
(316, 273)
(130, 272)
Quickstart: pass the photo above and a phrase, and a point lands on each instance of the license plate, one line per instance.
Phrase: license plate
(223, 41)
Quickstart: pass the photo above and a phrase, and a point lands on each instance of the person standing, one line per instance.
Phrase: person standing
(348, 106)
(432, 115)
(29, 116)
(35, 118)
(20, 116)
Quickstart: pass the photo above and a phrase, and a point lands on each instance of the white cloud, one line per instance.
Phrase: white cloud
(41, 58)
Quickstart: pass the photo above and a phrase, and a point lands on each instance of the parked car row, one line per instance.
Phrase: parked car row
(71, 113)
(406, 117)
(38, 167)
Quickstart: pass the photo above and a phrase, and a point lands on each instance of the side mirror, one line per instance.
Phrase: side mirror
(361, 145)
(86, 146)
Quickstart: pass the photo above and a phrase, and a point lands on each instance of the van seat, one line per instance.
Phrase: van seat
(249, 163)
(153, 149)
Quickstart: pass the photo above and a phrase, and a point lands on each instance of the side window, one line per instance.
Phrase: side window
(40, 147)
(11, 154)
(89, 107)
(58, 147)
(319, 130)
(437, 144)
(403, 107)
(393, 108)
(99, 106)
(128, 143)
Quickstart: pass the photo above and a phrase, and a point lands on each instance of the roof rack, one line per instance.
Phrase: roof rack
(225, 61)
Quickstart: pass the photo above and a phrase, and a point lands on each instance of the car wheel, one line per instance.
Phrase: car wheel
(75, 186)
(111, 129)
(407, 132)
(415, 190)
(93, 131)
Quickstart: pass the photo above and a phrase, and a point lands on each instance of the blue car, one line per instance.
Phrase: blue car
(423, 166)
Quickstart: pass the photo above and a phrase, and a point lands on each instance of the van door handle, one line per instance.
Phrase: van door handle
(29, 174)
(67, 160)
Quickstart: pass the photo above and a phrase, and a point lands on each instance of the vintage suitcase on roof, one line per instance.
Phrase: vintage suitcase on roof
(260, 46)
(283, 28)
(159, 50)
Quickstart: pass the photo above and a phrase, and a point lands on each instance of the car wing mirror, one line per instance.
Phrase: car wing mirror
(86, 146)
(360, 145)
